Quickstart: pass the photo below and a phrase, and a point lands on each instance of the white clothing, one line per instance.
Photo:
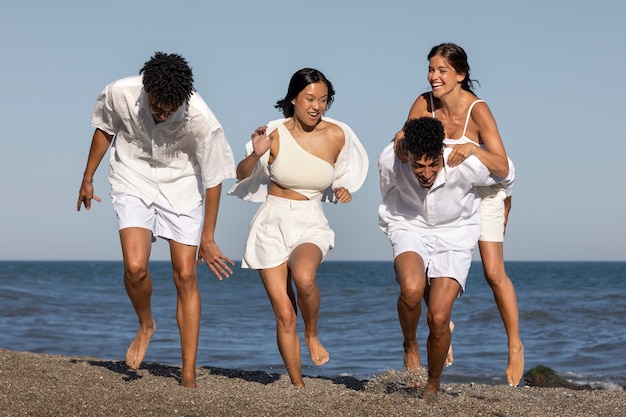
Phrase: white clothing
(492, 197)
(447, 211)
(180, 157)
(350, 168)
(279, 226)
(491, 213)
(464, 139)
(440, 259)
(159, 217)
(298, 170)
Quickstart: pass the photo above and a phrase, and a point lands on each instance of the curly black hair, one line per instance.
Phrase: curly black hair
(299, 80)
(168, 79)
(424, 137)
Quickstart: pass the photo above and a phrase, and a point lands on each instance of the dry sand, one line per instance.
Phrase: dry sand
(50, 385)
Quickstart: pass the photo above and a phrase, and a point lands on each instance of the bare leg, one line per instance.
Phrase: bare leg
(188, 307)
(303, 264)
(411, 277)
(278, 287)
(443, 292)
(136, 244)
(504, 294)
(450, 356)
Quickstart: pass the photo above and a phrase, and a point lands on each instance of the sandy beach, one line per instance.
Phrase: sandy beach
(51, 385)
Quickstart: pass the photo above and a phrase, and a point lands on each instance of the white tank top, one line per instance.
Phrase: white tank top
(463, 138)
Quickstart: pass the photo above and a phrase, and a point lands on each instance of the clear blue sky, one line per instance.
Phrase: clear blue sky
(552, 73)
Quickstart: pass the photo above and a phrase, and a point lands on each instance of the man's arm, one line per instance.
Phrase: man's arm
(99, 145)
(208, 250)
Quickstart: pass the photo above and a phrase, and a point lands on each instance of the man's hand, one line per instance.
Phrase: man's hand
(85, 195)
(214, 259)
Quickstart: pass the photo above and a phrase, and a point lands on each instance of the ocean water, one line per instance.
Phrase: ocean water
(572, 318)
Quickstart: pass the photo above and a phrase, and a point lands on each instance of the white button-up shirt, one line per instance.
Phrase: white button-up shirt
(448, 210)
(179, 157)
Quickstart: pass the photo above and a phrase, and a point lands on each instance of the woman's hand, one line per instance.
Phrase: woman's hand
(342, 194)
(260, 141)
(460, 153)
(399, 147)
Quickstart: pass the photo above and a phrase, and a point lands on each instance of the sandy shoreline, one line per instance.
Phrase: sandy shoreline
(51, 385)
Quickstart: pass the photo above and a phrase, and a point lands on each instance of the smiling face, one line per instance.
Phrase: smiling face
(442, 77)
(426, 169)
(311, 103)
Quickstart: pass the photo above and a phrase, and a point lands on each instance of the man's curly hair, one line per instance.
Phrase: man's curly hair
(424, 137)
(168, 79)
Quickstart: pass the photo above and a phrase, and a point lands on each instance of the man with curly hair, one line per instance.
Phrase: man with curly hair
(168, 159)
(430, 214)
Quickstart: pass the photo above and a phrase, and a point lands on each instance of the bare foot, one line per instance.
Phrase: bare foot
(412, 363)
(319, 355)
(411, 355)
(515, 367)
(137, 349)
(450, 356)
(188, 378)
(430, 392)
(298, 384)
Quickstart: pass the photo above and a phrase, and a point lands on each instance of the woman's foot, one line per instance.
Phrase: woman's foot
(319, 355)
(515, 367)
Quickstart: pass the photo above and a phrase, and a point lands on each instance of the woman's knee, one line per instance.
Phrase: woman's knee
(285, 317)
(495, 275)
(304, 279)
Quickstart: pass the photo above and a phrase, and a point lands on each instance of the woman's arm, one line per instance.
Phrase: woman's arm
(483, 126)
(261, 143)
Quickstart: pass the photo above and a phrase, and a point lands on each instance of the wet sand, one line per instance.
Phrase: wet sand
(51, 385)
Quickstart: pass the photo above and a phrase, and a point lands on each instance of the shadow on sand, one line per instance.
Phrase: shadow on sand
(165, 371)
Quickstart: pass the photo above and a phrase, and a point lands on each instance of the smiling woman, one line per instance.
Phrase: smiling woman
(294, 164)
(433, 227)
(471, 129)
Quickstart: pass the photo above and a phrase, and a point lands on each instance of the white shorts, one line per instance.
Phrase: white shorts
(279, 226)
(491, 213)
(440, 259)
(158, 217)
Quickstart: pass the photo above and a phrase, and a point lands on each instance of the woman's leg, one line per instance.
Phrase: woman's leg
(303, 265)
(492, 255)
(278, 287)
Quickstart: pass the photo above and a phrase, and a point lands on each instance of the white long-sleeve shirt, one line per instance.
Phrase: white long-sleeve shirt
(180, 157)
(448, 210)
